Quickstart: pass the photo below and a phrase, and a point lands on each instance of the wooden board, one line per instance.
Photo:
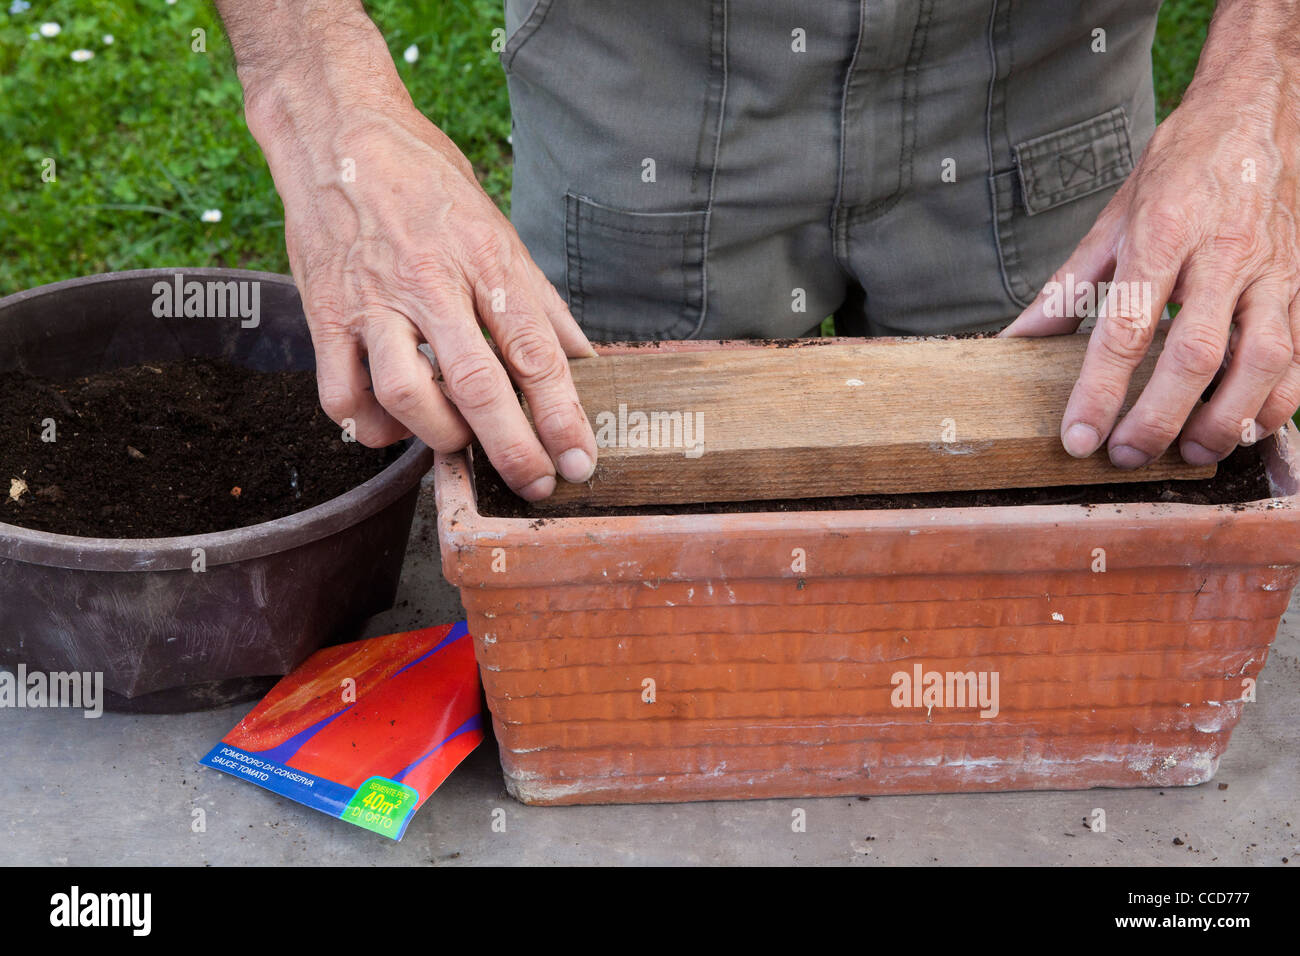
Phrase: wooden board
(838, 417)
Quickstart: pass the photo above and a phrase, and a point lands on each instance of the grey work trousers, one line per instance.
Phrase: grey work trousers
(744, 168)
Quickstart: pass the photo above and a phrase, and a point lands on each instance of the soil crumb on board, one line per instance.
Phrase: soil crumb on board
(1240, 478)
(178, 448)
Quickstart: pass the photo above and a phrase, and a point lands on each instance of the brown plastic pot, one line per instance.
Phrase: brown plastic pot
(774, 682)
(165, 637)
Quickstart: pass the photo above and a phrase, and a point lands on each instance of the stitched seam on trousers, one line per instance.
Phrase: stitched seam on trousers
(531, 25)
(1089, 131)
(573, 251)
(638, 232)
(906, 156)
(1079, 163)
(1022, 293)
(713, 176)
(709, 114)
(1011, 69)
(1106, 176)
(685, 288)
(995, 120)
(988, 141)
(838, 223)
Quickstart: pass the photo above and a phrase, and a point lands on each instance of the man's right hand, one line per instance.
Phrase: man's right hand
(392, 243)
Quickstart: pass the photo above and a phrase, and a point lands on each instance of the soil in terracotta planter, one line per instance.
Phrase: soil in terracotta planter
(179, 448)
(1240, 478)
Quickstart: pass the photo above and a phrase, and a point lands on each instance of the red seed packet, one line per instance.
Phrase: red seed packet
(364, 731)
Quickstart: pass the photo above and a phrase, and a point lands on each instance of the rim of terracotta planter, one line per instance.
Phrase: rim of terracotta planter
(1249, 529)
(221, 547)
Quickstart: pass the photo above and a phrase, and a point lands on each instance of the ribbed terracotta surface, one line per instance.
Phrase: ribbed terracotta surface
(770, 682)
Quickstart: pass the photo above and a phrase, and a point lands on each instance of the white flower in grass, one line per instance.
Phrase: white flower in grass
(50, 29)
(412, 53)
(211, 215)
(108, 39)
(81, 56)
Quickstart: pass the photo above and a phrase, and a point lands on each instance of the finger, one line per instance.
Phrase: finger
(1262, 354)
(572, 339)
(1285, 397)
(1053, 311)
(1192, 355)
(536, 361)
(1145, 273)
(404, 384)
(480, 389)
(344, 389)
(570, 335)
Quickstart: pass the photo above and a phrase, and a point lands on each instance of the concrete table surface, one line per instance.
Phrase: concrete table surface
(122, 790)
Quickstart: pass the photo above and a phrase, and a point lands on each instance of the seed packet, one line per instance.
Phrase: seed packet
(364, 731)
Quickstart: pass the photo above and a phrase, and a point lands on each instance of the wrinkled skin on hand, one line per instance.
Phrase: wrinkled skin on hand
(393, 243)
(1208, 219)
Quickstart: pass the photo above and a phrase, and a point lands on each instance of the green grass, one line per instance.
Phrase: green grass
(148, 134)
(1179, 38)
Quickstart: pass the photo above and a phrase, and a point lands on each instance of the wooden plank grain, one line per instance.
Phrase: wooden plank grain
(838, 417)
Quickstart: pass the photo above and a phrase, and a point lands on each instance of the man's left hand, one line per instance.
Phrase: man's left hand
(1208, 220)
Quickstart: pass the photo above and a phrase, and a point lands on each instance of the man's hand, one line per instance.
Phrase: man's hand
(1208, 220)
(392, 243)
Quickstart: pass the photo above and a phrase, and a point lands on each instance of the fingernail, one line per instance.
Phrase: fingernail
(1081, 440)
(1127, 457)
(1197, 454)
(539, 489)
(575, 465)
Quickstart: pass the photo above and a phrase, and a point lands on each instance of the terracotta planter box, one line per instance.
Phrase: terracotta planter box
(773, 678)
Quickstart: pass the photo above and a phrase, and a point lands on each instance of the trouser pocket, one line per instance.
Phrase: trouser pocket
(635, 275)
(1058, 186)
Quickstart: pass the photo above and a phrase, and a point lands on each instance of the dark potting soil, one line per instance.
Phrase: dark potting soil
(1240, 478)
(179, 448)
